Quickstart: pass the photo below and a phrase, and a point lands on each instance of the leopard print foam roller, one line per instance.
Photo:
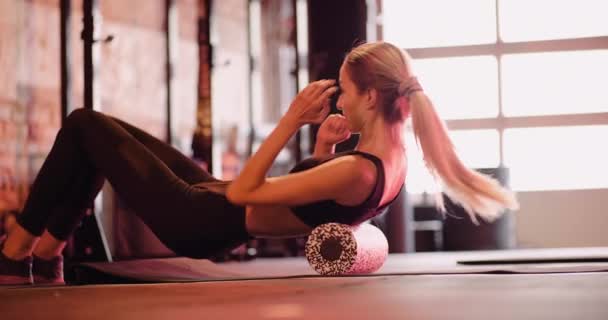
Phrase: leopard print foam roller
(340, 249)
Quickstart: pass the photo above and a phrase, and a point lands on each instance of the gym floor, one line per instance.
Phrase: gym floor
(420, 286)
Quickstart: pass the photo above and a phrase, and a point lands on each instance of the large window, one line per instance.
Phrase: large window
(457, 79)
(439, 23)
(520, 84)
(566, 82)
(567, 157)
(525, 20)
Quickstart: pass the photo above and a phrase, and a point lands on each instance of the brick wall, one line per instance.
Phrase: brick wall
(131, 78)
(29, 93)
(132, 66)
(132, 84)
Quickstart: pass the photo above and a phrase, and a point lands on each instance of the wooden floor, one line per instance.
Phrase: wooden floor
(561, 295)
(522, 296)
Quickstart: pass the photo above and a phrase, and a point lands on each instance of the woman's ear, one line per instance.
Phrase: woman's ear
(371, 98)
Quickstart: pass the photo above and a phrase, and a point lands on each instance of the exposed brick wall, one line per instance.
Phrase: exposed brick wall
(133, 87)
(144, 14)
(10, 174)
(132, 72)
(131, 76)
(29, 93)
(188, 15)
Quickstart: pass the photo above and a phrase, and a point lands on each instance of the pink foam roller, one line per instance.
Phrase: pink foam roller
(340, 249)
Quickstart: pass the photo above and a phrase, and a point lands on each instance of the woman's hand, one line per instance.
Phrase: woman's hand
(333, 130)
(311, 105)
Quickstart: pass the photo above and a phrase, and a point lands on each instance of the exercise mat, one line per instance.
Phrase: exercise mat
(340, 249)
(538, 257)
(182, 269)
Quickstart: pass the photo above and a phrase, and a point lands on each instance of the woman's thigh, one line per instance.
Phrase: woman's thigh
(190, 220)
(184, 167)
(202, 224)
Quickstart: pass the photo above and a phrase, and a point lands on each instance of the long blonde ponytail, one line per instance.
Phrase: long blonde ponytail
(477, 193)
(387, 69)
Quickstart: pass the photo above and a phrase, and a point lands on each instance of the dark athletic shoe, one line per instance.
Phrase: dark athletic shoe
(15, 272)
(48, 272)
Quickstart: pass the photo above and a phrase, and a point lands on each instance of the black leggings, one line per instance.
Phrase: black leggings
(163, 187)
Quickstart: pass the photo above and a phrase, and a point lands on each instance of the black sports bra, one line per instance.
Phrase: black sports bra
(317, 213)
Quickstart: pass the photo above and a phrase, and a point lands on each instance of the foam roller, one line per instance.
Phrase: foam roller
(340, 249)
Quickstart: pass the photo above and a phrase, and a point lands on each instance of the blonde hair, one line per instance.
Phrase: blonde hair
(387, 68)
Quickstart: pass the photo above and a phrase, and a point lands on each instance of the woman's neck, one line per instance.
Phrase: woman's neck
(380, 138)
(387, 143)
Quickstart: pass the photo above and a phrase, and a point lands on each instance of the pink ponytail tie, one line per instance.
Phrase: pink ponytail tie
(403, 104)
(409, 86)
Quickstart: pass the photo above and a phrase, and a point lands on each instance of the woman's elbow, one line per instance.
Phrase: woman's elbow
(234, 195)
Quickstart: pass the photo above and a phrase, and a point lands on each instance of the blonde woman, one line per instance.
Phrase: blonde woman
(197, 215)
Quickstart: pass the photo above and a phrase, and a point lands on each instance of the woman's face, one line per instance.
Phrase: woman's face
(349, 101)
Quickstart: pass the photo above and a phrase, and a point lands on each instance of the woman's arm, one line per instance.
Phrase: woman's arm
(322, 148)
(309, 106)
(254, 172)
(348, 180)
(332, 131)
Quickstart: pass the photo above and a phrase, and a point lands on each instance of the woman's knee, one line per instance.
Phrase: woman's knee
(78, 118)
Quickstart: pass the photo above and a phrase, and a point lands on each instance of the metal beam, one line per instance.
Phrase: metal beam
(502, 123)
(65, 57)
(88, 36)
(171, 37)
(502, 48)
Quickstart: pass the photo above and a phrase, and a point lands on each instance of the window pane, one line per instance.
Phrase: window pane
(461, 88)
(555, 83)
(525, 20)
(418, 179)
(437, 23)
(476, 148)
(557, 158)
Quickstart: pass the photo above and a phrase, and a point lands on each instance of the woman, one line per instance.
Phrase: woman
(197, 215)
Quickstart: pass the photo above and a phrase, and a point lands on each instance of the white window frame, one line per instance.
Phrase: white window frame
(498, 50)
